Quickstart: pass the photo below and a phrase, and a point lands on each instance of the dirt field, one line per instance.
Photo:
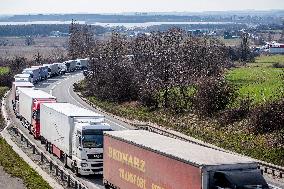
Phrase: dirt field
(46, 46)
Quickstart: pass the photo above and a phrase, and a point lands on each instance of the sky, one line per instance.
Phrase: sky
(120, 6)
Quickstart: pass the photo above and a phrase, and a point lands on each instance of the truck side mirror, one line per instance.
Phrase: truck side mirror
(78, 142)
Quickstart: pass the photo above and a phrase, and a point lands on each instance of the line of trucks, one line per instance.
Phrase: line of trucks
(129, 159)
(38, 73)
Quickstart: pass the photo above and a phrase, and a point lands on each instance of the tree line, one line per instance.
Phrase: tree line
(160, 70)
(39, 29)
(171, 70)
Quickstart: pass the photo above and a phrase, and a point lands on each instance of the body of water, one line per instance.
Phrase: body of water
(127, 25)
(147, 24)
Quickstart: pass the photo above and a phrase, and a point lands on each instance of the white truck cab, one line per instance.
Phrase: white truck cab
(87, 148)
(75, 135)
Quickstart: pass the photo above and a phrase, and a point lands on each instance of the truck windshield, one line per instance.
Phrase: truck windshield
(92, 138)
(240, 179)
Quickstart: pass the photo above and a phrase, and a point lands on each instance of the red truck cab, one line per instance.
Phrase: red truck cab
(36, 115)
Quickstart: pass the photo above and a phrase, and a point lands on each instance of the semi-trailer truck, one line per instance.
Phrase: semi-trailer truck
(43, 72)
(30, 101)
(61, 68)
(70, 65)
(74, 135)
(15, 91)
(23, 78)
(52, 70)
(81, 64)
(34, 73)
(138, 159)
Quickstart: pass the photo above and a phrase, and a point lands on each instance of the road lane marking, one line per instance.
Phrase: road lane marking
(84, 107)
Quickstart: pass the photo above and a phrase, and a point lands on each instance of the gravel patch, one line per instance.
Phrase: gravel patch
(9, 182)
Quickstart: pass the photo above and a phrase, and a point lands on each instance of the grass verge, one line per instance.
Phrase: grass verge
(270, 59)
(14, 165)
(233, 137)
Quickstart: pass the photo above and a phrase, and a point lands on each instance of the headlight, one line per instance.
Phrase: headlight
(84, 165)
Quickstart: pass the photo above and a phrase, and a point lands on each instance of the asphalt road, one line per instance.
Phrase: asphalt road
(62, 88)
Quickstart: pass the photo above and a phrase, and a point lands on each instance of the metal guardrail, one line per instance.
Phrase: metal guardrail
(58, 170)
(266, 168)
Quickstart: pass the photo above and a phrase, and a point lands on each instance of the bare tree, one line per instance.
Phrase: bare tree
(245, 52)
(159, 69)
(38, 58)
(80, 40)
(29, 41)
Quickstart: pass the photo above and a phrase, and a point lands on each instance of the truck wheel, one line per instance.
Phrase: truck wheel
(65, 161)
(107, 186)
(30, 130)
(50, 148)
(46, 146)
(77, 172)
(42, 140)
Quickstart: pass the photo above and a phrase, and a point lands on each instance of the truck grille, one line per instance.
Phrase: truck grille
(97, 165)
(95, 156)
(97, 170)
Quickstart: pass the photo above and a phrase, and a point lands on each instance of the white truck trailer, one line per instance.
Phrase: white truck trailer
(43, 71)
(29, 107)
(61, 68)
(75, 135)
(23, 78)
(34, 73)
(71, 65)
(52, 69)
(15, 91)
(82, 63)
(16, 85)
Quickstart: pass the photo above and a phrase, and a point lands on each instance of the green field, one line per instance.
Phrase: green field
(4, 70)
(261, 82)
(231, 42)
(270, 59)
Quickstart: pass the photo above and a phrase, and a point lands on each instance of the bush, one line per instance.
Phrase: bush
(213, 95)
(277, 65)
(235, 114)
(267, 118)
(6, 80)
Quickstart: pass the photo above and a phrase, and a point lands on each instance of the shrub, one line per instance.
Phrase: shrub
(213, 95)
(277, 65)
(232, 115)
(6, 79)
(267, 118)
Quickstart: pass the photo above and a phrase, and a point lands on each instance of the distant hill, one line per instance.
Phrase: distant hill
(273, 16)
